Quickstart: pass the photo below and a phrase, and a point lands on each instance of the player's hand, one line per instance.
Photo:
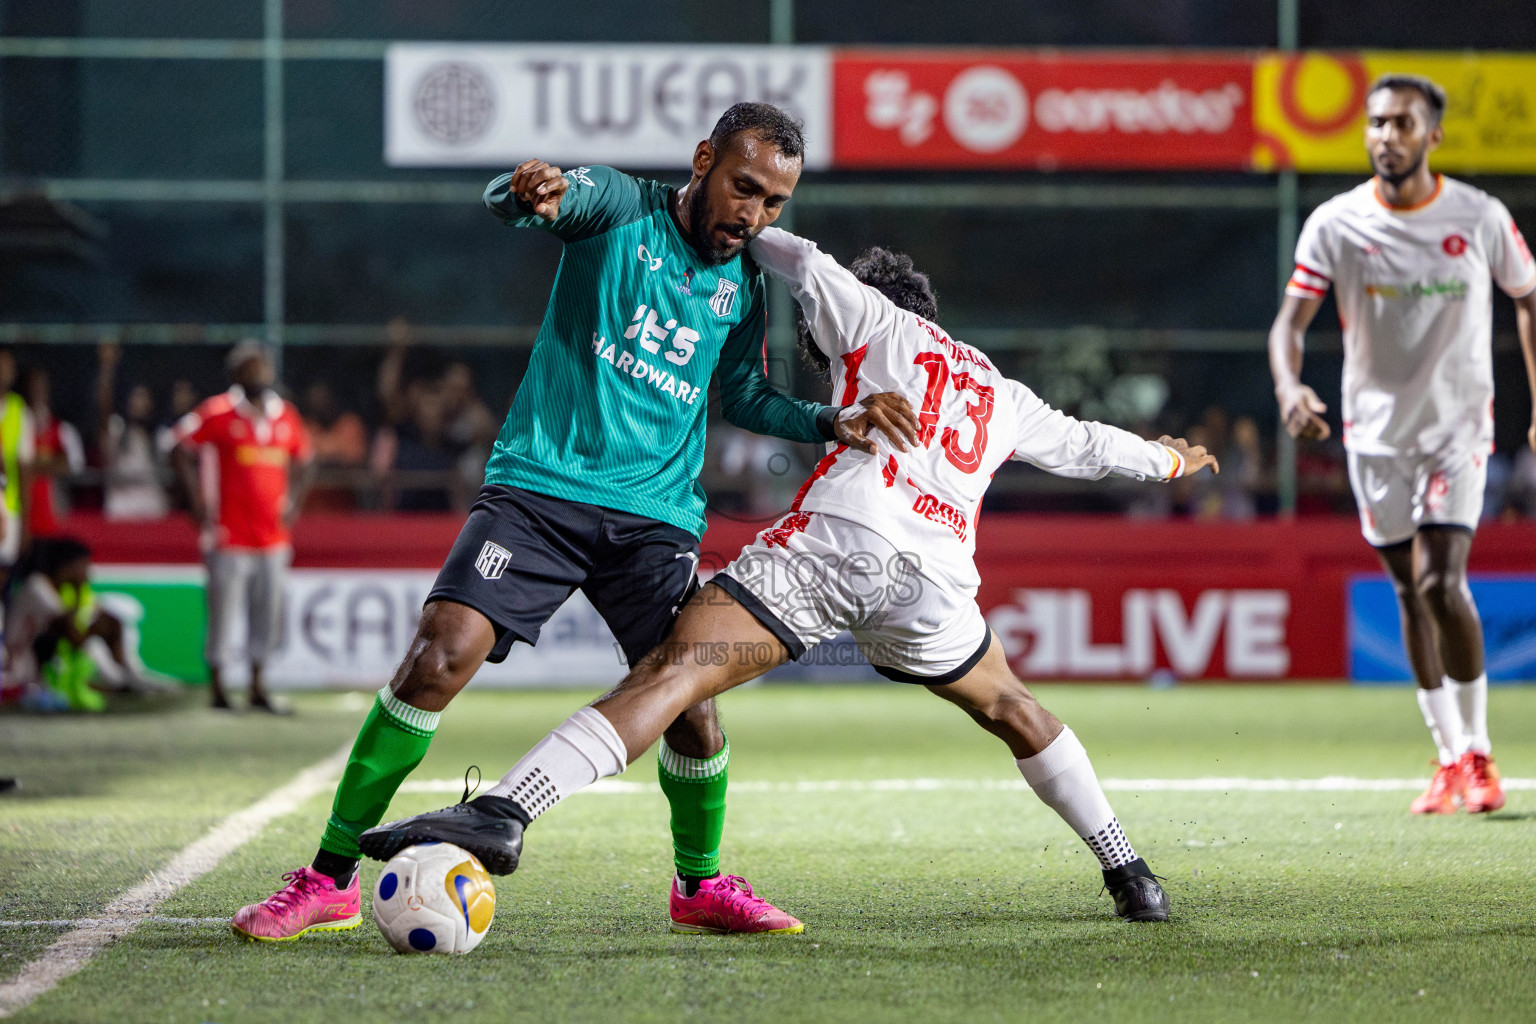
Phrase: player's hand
(539, 185)
(1195, 457)
(888, 412)
(1302, 411)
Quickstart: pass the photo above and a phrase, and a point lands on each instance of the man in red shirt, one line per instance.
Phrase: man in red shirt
(264, 460)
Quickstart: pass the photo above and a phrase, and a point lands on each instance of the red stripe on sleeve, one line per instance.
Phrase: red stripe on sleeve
(1293, 283)
(1303, 266)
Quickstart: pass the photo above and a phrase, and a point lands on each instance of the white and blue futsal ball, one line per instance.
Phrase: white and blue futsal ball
(434, 898)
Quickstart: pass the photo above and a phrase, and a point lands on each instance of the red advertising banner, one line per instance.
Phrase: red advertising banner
(1041, 111)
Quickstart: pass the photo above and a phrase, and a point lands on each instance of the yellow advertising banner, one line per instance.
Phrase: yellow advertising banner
(1309, 109)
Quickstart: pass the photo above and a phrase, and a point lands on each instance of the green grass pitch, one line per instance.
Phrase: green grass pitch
(953, 903)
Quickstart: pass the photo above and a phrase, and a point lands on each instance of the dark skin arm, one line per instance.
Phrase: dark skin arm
(185, 461)
(1525, 323)
(300, 476)
(1300, 407)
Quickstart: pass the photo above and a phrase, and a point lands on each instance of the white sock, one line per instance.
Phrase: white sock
(1444, 721)
(580, 750)
(1062, 776)
(1472, 702)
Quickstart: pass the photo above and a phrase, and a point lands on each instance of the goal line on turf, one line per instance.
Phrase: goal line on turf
(1325, 784)
(73, 950)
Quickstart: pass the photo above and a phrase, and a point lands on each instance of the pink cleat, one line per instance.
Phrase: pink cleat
(310, 902)
(727, 904)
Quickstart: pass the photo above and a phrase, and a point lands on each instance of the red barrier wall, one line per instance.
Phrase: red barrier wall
(1091, 597)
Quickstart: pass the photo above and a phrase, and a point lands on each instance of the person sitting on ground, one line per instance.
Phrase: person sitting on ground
(52, 616)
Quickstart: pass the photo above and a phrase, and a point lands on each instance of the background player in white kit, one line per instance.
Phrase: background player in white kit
(1410, 256)
(881, 544)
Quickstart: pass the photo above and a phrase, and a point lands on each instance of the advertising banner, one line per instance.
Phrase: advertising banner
(1506, 604)
(1309, 109)
(1041, 110)
(635, 106)
(1070, 598)
(342, 628)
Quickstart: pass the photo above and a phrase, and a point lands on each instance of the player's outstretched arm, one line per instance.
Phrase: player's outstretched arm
(1300, 408)
(1087, 450)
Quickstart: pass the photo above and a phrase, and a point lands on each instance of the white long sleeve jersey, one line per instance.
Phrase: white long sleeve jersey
(972, 419)
(1416, 303)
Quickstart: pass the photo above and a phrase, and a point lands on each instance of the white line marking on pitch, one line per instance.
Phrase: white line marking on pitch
(1327, 784)
(73, 951)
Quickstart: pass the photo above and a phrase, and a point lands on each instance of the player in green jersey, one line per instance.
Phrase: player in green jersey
(593, 484)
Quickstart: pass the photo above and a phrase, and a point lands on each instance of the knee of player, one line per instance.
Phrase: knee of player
(1438, 588)
(434, 665)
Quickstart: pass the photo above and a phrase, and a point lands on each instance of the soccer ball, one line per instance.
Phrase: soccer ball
(434, 898)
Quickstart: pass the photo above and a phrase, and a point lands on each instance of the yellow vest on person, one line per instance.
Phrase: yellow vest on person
(11, 414)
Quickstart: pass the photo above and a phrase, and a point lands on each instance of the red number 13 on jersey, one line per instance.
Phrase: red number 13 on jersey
(937, 367)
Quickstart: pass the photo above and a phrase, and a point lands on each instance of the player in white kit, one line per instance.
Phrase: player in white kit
(1412, 258)
(880, 544)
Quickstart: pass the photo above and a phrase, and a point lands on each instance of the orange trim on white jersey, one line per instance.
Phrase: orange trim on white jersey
(1376, 191)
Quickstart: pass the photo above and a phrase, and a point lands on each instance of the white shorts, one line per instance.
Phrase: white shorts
(1397, 494)
(810, 576)
(241, 580)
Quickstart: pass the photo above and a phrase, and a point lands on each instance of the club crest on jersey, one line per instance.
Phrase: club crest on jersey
(1454, 245)
(493, 560)
(724, 299)
(687, 286)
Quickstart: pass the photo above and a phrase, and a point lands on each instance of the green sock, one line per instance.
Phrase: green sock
(393, 740)
(70, 674)
(696, 790)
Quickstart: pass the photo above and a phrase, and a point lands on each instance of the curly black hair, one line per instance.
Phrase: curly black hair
(763, 122)
(890, 273)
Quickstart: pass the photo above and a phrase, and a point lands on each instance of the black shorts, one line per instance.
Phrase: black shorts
(521, 554)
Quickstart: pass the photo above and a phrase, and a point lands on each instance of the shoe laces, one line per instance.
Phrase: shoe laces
(1475, 767)
(301, 884)
(478, 779)
(737, 891)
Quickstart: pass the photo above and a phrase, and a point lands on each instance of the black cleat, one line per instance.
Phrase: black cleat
(1137, 895)
(490, 827)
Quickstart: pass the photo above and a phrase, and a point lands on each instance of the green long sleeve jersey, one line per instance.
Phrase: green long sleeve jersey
(612, 409)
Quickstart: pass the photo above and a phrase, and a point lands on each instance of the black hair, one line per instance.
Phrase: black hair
(50, 554)
(1434, 96)
(765, 123)
(892, 275)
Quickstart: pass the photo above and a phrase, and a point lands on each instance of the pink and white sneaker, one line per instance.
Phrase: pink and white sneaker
(310, 902)
(726, 904)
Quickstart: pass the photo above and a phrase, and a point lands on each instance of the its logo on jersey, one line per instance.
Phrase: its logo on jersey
(652, 263)
(1454, 245)
(687, 286)
(723, 302)
(493, 560)
(582, 176)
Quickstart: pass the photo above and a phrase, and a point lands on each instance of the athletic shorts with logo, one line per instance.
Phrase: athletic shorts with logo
(811, 575)
(521, 555)
(1397, 494)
